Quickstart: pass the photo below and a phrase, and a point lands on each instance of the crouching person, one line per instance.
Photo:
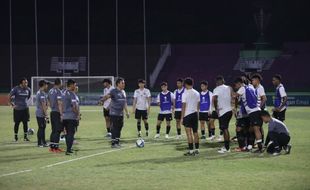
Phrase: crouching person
(278, 137)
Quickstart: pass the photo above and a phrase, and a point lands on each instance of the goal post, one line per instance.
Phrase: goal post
(90, 87)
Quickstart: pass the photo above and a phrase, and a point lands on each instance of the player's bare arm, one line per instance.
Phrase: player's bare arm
(126, 110)
(263, 100)
(215, 103)
(134, 105)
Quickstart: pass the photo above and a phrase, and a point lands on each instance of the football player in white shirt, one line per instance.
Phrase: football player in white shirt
(280, 102)
(165, 100)
(222, 101)
(141, 106)
(262, 98)
(190, 107)
(107, 84)
(178, 93)
(250, 102)
(256, 82)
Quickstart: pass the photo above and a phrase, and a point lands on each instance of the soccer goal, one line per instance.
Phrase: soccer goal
(90, 87)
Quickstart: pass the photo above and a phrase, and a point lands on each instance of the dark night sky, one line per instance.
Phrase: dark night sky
(174, 21)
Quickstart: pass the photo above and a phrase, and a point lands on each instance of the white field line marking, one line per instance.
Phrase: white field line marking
(75, 159)
(84, 157)
(92, 155)
(14, 173)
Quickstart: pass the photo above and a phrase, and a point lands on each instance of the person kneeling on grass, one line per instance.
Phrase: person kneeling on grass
(278, 136)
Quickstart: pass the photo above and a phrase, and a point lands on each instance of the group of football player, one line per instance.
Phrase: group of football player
(245, 99)
(64, 115)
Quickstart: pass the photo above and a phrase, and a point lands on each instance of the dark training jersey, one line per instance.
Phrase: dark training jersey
(20, 97)
(41, 98)
(277, 126)
(118, 102)
(69, 100)
(54, 95)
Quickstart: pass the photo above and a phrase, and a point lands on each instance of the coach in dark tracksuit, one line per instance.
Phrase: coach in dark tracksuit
(71, 113)
(55, 101)
(41, 112)
(18, 98)
(118, 104)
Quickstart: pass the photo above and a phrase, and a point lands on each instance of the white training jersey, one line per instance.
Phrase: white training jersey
(260, 90)
(223, 93)
(142, 97)
(106, 91)
(245, 101)
(191, 98)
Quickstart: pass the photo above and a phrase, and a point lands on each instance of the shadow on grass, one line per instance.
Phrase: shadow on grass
(206, 154)
(23, 157)
(16, 147)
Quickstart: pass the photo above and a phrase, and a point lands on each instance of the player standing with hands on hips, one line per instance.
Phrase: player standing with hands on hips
(18, 98)
(117, 107)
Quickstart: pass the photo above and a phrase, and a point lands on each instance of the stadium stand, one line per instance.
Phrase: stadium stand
(204, 62)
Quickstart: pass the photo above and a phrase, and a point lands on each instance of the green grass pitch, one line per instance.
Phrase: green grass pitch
(159, 165)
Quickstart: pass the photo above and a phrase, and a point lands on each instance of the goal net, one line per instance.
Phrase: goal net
(90, 87)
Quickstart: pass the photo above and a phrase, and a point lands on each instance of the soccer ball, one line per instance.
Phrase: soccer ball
(140, 143)
(30, 131)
